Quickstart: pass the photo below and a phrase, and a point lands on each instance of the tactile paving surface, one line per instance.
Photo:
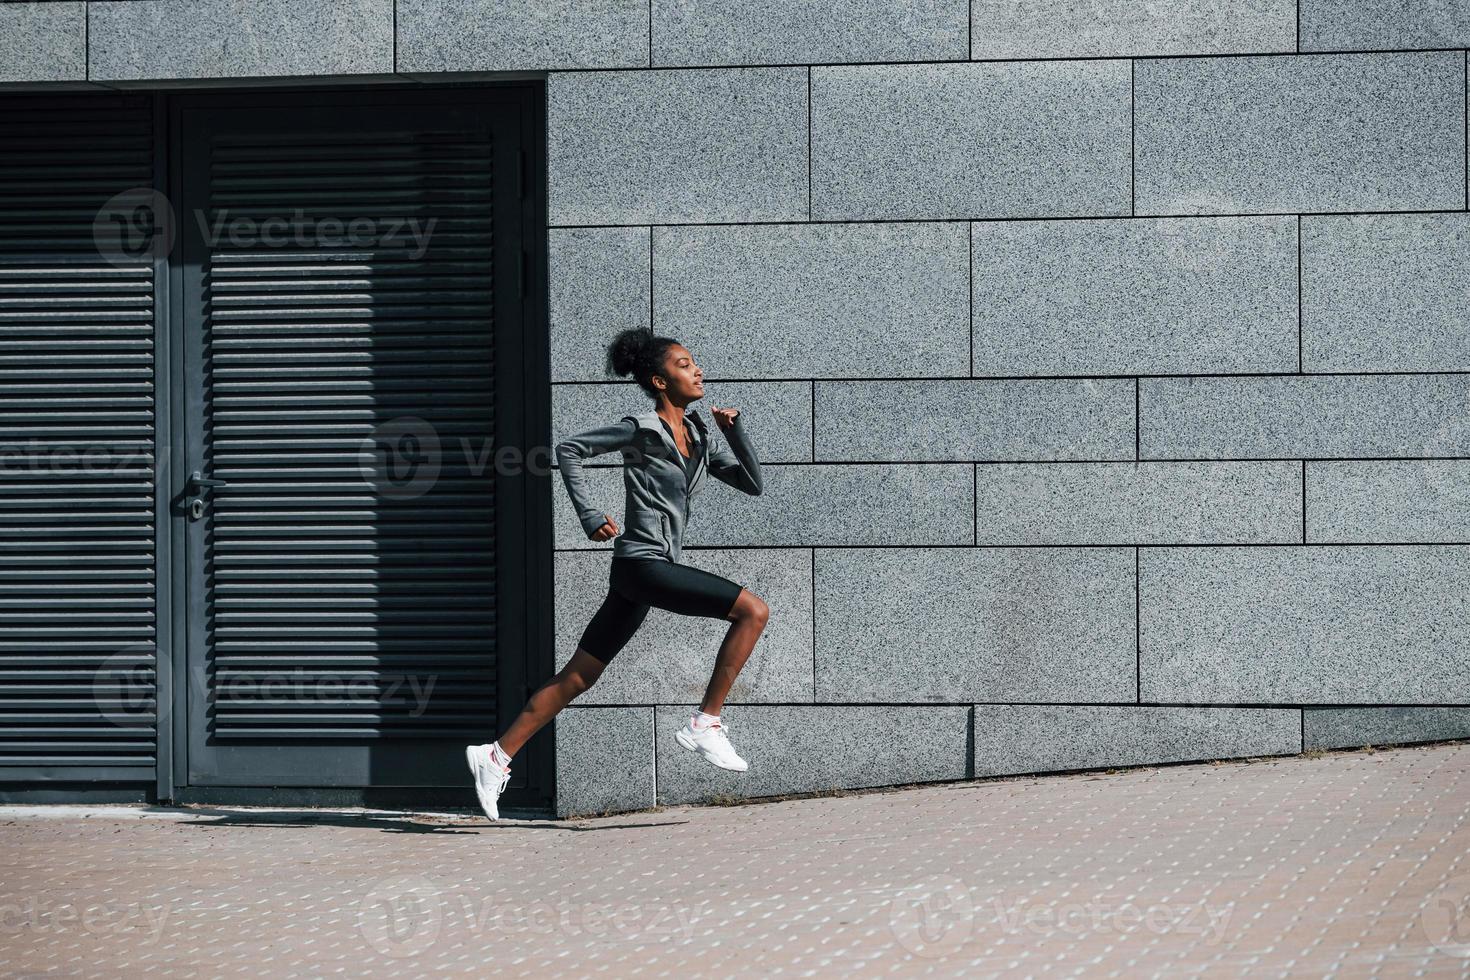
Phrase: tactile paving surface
(1348, 864)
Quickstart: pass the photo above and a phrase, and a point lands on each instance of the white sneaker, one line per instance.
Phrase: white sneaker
(490, 779)
(712, 744)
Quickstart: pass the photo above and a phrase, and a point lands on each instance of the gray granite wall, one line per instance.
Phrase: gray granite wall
(1108, 360)
(1109, 363)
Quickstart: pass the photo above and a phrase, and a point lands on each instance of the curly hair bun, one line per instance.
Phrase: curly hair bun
(628, 350)
(638, 352)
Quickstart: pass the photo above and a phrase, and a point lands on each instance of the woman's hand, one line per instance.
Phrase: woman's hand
(607, 531)
(725, 417)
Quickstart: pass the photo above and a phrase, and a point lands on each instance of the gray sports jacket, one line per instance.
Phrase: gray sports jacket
(658, 491)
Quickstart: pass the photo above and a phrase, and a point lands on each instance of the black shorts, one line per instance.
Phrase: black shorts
(636, 584)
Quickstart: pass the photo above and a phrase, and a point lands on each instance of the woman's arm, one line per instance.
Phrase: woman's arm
(740, 468)
(569, 456)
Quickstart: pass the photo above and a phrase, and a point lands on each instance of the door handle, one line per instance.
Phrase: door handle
(198, 484)
(198, 479)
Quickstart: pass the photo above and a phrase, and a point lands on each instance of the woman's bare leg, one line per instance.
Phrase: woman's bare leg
(748, 619)
(580, 673)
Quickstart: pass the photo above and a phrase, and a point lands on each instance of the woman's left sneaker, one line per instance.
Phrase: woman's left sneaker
(712, 744)
(490, 779)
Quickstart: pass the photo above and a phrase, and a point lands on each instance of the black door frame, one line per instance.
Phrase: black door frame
(525, 374)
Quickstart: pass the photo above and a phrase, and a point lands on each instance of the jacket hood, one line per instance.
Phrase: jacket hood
(651, 420)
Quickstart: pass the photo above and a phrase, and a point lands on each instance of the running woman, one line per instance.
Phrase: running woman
(666, 455)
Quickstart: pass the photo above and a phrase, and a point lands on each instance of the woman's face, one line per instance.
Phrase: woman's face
(685, 378)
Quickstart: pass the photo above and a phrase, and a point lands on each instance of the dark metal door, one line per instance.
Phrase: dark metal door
(79, 287)
(349, 317)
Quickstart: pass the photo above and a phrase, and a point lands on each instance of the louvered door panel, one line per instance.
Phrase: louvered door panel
(78, 654)
(347, 570)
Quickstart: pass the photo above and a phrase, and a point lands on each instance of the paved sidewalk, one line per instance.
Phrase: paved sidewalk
(1345, 864)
